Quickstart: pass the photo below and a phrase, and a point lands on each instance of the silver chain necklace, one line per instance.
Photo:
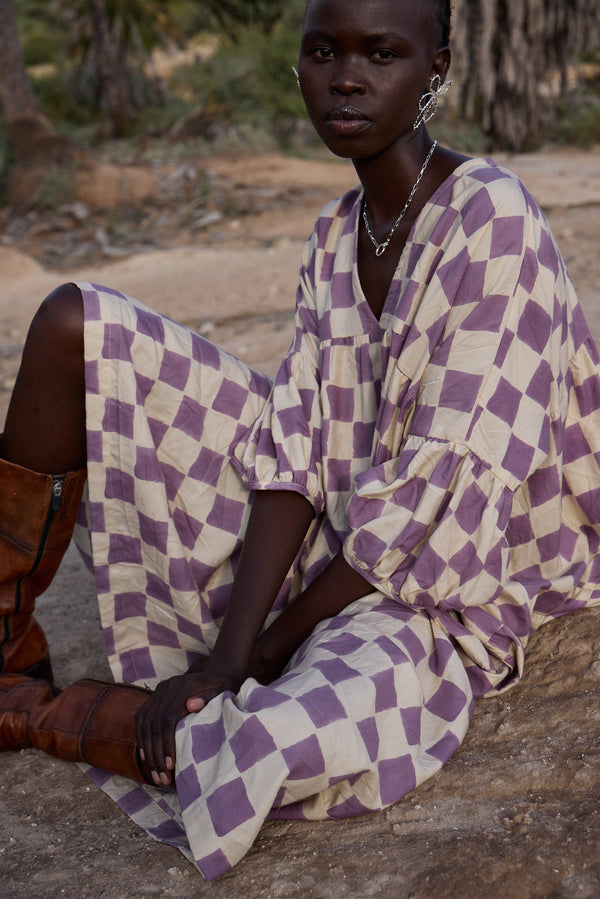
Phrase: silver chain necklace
(380, 248)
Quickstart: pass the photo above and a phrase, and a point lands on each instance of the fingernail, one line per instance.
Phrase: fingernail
(142, 754)
(169, 762)
(165, 780)
(156, 778)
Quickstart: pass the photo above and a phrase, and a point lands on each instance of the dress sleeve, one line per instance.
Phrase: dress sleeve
(428, 522)
(428, 529)
(283, 449)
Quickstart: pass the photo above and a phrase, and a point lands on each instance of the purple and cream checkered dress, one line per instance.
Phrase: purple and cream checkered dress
(452, 448)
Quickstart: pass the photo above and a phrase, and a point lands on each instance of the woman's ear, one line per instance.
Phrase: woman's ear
(441, 63)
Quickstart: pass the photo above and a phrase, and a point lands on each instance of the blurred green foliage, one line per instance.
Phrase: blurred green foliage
(579, 112)
(57, 188)
(42, 33)
(136, 25)
(262, 15)
(246, 86)
(578, 120)
(249, 81)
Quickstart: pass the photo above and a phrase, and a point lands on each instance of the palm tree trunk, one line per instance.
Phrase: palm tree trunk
(510, 53)
(110, 70)
(30, 132)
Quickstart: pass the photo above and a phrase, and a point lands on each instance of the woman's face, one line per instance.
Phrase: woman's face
(364, 64)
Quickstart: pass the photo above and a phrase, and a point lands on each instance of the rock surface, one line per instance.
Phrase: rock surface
(514, 813)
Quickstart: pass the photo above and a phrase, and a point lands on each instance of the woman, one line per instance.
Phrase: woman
(421, 480)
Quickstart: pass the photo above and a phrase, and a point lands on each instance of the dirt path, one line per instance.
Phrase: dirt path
(515, 812)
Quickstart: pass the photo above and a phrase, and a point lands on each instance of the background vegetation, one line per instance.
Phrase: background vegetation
(246, 80)
(93, 71)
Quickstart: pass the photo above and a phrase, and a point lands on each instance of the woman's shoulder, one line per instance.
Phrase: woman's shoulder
(493, 190)
(337, 219)
(341, 208)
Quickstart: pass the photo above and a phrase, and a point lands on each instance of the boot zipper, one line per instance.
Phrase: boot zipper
(57, 489)
(58, 482)
(55, 501)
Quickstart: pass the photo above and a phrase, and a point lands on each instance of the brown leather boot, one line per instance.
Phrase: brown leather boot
(91, 721)
(37, 516)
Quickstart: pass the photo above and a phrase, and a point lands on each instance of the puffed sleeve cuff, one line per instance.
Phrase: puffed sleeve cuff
(425, 525)
(283, 449)
(428, 529)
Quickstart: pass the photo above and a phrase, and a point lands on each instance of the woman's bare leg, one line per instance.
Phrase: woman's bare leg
(45, 423)
(42, 470)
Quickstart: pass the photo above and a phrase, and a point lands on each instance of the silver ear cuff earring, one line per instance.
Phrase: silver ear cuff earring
(297, 74)
(430, 101)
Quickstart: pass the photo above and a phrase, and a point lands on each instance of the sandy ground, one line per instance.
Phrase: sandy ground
(514, 813)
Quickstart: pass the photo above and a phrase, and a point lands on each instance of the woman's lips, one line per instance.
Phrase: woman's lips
(346, 120)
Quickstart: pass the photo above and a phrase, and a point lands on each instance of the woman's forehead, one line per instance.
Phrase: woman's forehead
(366, 14)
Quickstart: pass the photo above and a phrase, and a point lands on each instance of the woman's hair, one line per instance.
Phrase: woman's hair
(443, 10)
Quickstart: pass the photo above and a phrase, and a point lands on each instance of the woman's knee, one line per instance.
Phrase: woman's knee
(59, 321)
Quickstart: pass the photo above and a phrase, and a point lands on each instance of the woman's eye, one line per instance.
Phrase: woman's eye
(323, 53)
(383, 55)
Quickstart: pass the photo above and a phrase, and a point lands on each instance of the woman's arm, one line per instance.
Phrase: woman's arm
(334, 589)
(276, 528)
(278, 524)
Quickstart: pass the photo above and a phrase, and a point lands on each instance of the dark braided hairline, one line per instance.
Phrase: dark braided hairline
(444, 15)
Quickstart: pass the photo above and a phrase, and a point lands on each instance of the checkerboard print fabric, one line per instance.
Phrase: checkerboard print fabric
(452, 449)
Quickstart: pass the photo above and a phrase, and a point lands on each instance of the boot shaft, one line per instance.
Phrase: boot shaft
(37, 516)
(91, 721)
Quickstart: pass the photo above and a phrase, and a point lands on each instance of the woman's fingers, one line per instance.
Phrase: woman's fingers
(141, 731)
(155, 732)
(157, 720)
(169, 710)
(195, 704)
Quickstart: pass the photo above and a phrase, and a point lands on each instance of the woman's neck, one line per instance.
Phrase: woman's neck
(389, 178)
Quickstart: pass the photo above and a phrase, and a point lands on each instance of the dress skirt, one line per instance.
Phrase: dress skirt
(370, 706)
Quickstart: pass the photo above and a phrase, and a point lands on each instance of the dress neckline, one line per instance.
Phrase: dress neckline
(454, 176)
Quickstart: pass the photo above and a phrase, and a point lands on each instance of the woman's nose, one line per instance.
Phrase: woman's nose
(347, 81)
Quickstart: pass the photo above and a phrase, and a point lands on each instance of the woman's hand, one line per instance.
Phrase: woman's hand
(157, 719)
(262, 671)
(267, 660)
